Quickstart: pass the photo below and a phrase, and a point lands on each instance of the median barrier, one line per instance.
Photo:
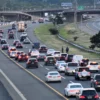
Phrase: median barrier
(10, 87)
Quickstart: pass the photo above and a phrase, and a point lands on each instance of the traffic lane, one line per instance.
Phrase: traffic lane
(29, 86)
(4, 95)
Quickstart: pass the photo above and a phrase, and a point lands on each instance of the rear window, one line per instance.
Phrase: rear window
(63, 64)
(75, 86)
(93, 63)
(50, 58)
(89, 92)
(57, 53)
(70, 56)
(54, 74)
(32, 60)
(73, 64)
(81, 69)
(97, 77)
(64, 55)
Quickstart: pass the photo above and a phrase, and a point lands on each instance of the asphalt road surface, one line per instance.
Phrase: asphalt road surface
(29, 86)
(4, 95)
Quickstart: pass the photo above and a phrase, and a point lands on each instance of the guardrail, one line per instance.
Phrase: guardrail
(11, 88)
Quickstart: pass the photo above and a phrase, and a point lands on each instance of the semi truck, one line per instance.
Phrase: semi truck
(21, 26)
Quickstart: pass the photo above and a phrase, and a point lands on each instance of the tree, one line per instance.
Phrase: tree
(95, 40)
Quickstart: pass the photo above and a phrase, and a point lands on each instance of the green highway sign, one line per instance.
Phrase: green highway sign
(80, 7)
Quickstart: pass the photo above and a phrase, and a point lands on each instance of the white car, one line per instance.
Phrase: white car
(77, 58)
(56, 54)
(61, 67)
(93, 66)
(50, 51)
(13, 54)
(33, 52)
(72, 88)
(53, 76)
(24, 34)
(58, 62)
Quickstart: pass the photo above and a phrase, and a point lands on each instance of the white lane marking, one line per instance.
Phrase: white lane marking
(63, 77)
(15, 88)
(47, 68)
(41, 65)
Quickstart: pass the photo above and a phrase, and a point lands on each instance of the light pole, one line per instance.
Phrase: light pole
(94, 4)
(75, 14)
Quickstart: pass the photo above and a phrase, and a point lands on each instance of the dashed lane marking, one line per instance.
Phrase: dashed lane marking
(47, 68)
(33, 75)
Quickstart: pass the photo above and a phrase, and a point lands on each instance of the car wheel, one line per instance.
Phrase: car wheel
(67, 94)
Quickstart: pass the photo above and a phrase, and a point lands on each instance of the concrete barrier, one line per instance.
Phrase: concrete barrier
(10, 87)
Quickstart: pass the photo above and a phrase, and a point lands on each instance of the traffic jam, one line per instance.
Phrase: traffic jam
(70, 65)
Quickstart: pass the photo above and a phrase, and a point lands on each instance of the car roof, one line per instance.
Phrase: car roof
(32, 58)
(63, 53)
(88, 89)
(53, 72)
(49, 56)
(3, 39)
(74, 83)
(72, 62)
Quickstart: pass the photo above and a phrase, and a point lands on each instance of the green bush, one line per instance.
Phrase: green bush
(53, 31)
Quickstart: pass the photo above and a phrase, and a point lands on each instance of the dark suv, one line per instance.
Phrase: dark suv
(87, 94)
(95, 81)
(49, 60)
(82, 72)
(32, 62)
(43, 49)
(11, 36)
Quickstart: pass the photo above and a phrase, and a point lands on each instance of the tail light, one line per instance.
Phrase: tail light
(36, 61)
(28, 62)
(82, 97)
(67, 68)
(19, 57)
(27, 56)
(96, 96)
(49, 76)
(59, 76)
(96, 82)
(89, 73)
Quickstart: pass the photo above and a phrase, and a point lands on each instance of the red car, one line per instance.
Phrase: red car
(19, 45)
(23, 57)
(18, 53)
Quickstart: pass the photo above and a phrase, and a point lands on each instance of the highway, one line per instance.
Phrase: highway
(24, 78)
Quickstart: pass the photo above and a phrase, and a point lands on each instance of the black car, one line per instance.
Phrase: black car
(15, 42)
(11, 36)
(3, 41)
(84, 62)
(82, 73)
(5, 46)
(43, 49)
(95, 81)
(31, 63)
(41, 57)
(69, 58)
(49, 60)
(87, 94)
(22, 38)
(26, 41)
(19, 45)
(63, 56)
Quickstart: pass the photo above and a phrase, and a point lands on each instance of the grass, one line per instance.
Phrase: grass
(52, 41)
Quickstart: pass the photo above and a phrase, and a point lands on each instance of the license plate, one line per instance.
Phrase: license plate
(89, 97)
(54, 76)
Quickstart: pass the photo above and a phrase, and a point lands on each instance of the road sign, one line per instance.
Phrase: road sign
(66, 4)
(80, 7)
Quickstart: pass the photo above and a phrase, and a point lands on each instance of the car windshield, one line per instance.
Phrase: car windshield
(93, 63)
(53, 73)
(73, 64)
(89, 92)
(75, 86)
(82, 69)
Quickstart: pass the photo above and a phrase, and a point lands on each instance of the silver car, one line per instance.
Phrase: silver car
(61, 67)
(70, 68)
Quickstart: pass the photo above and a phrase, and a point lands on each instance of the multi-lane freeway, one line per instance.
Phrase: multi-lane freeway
(31, 82)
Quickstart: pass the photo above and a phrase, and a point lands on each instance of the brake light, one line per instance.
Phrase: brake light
(49, 76)
(27, 57)
(59, 76)
(89, 73)
(82, 97)
(19, 56)
(96, 96)
(96, 82)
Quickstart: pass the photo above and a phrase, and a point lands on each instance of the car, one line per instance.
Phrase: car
(15, 41)
(1, 36)
(31, 63)
(23, 57)
(70, 68)
(19, 45)
(93, 66)
(49, 60)
(87, 94)
(41, 20)
(82, 73)
(26, 41)
(69, 58)
(61, 67)
(24, 34)
(50, 51)
(53, 76)
(22, 37)
(5, 46)
(77, 58)
(95, 81)
(35, 45)
(41, 57)
(1, 31)
(72, 88)
(63, 56)
(12, 54)
(84, 62)
(56, 54)
(43, 49)
(58, 62)
(33, 52)
(18, 53)
(11, 36)
(11, 48)
(3, 41)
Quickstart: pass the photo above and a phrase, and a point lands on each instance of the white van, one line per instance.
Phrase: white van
(77, 58)
(56, 54)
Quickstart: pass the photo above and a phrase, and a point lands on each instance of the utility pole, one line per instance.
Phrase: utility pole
(75, 13)
(94, 5)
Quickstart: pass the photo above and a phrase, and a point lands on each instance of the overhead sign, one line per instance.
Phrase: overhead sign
(66, 4)
(81, 8)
